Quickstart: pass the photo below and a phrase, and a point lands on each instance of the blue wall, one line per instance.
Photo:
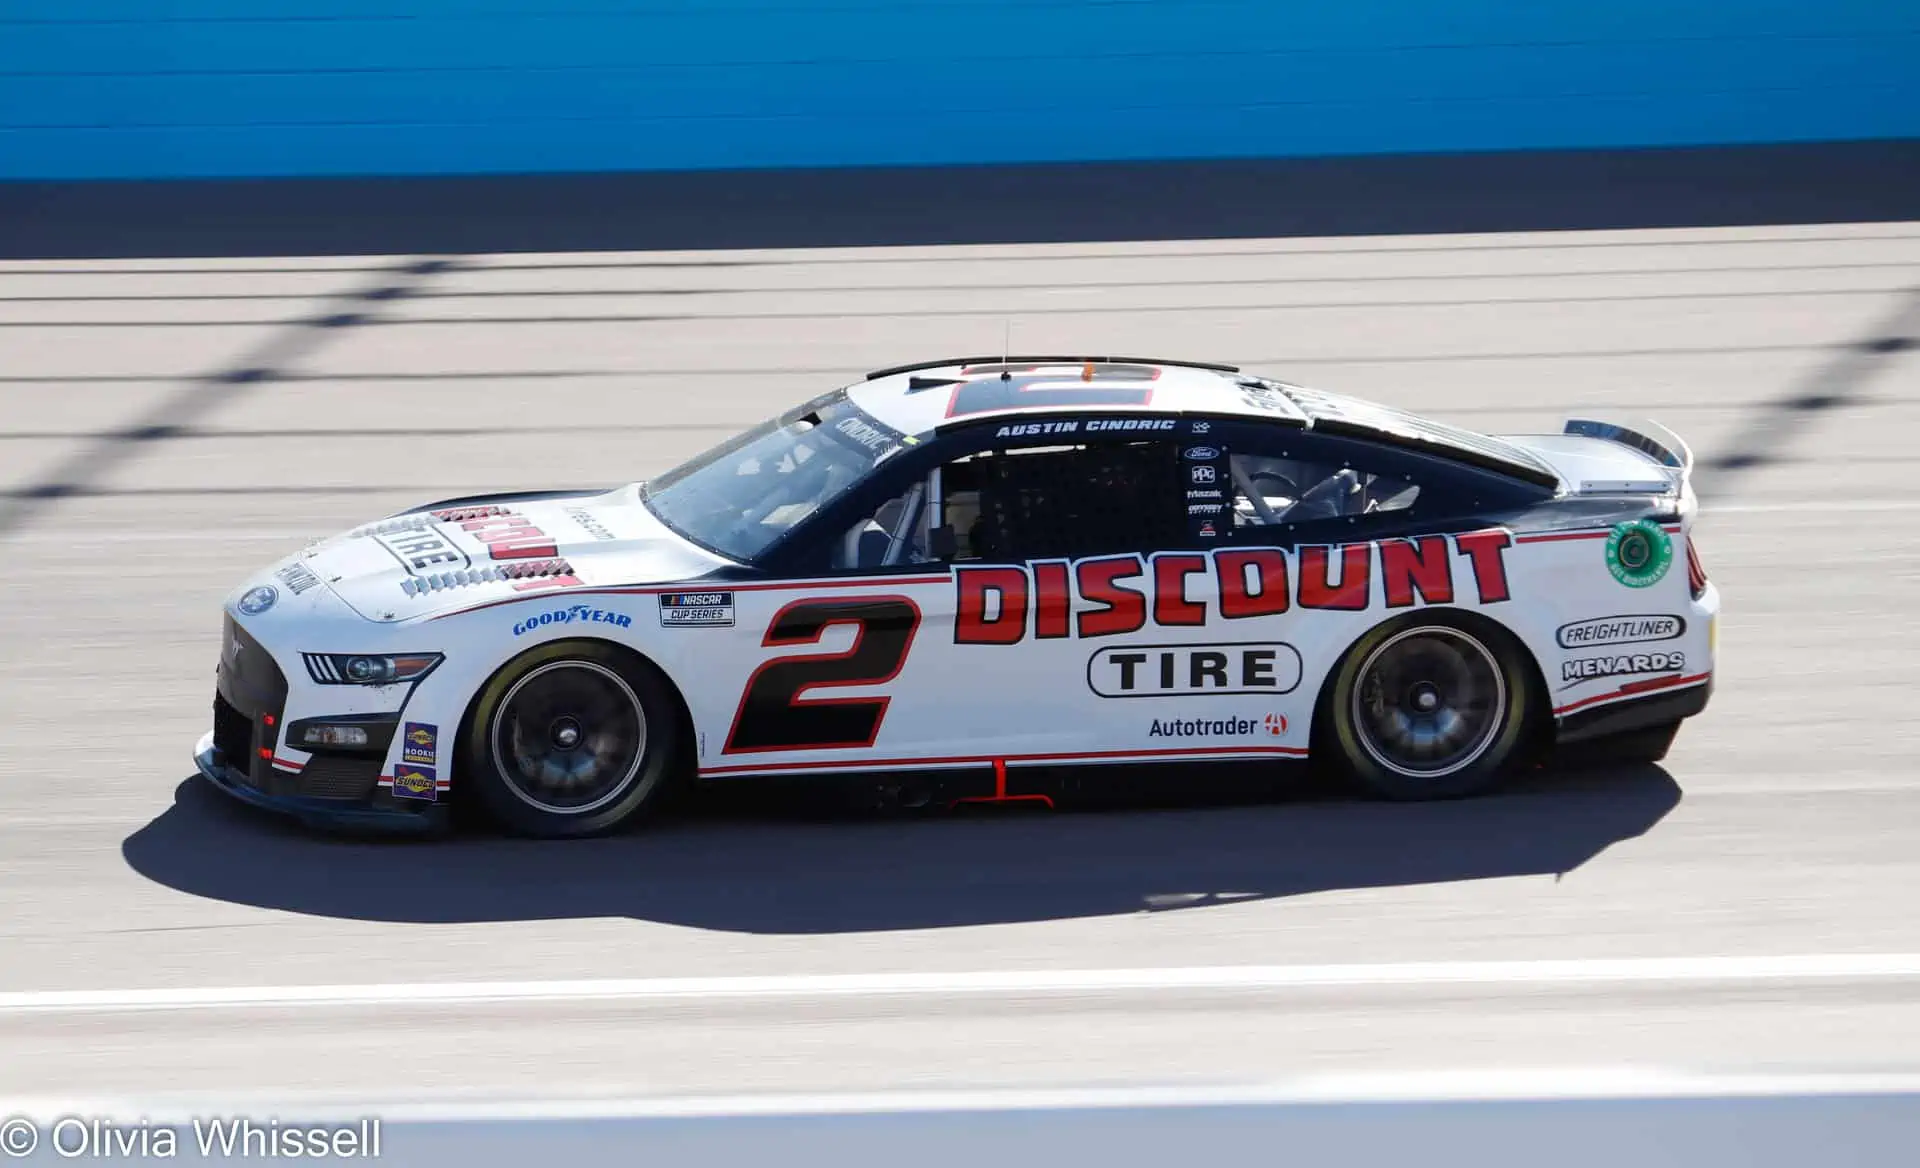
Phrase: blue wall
(136, 88)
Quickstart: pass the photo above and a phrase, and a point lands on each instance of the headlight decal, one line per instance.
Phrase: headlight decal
(369, 668)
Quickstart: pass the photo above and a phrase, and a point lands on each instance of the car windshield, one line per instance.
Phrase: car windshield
(742, 495)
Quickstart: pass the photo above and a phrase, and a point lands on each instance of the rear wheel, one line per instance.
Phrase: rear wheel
(1430, 708)
(572, 739)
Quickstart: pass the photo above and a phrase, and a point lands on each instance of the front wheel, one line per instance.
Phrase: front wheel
(1430, 708)
(572, 739)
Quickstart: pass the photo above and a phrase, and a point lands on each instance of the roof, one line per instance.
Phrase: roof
(918, 399)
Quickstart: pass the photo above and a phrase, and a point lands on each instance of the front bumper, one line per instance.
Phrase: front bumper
(315, 812)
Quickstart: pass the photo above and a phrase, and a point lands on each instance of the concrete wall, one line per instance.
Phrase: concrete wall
(155, 88)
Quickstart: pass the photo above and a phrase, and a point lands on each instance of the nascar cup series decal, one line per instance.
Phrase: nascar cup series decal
(570, 615)
(696, 609)
(1639, 553)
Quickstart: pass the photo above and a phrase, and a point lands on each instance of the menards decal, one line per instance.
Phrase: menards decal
(1124, 594)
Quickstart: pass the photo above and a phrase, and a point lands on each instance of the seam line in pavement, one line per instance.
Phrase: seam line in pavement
(199, 397)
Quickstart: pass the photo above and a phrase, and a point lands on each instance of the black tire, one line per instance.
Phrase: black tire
(573, 738)
(1431, 706)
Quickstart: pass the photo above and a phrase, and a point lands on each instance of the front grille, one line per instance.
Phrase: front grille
(332, 776)
(232, 735)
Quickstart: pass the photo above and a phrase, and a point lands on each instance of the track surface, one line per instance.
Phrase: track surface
(166, 425)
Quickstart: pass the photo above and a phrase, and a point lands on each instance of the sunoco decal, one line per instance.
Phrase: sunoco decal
(414, 782)
(578, 613)
(420, 743)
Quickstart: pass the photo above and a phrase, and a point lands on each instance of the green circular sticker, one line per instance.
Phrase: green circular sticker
(1639, 553)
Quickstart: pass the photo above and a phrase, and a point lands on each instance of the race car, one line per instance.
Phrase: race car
(985, 580)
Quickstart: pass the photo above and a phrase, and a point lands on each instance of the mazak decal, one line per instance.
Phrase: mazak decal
(1263, 397)
(696, 610)
(586, 522)
(415, 782)
(420, 743)
(1165, 671)
(1273, 725)
(571, 614)
(1583, 669)
(1621, 630)
(297, 577)
(1110, 596)
(1639, 553)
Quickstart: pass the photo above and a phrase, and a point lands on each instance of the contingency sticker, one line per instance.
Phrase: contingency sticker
(412, 782)
(696, 609)
(1639, 553)
(420, 743)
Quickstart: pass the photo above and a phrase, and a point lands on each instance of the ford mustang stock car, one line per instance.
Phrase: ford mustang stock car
(978, 580)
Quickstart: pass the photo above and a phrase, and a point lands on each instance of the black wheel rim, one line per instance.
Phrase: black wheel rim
(570, 737)
(1429, 702)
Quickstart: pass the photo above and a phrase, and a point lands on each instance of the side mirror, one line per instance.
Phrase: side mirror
(941, 544)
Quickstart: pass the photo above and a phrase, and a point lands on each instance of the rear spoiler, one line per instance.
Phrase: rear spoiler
(1649, 438)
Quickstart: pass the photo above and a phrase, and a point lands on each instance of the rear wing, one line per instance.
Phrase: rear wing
(1649, 438)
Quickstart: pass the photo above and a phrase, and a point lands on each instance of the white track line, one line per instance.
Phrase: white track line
(1456, 1085)
(1648, 971)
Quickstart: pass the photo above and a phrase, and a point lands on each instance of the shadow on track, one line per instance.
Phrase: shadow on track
(1834, 182)
(810, 876)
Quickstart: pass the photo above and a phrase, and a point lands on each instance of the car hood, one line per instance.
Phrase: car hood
(472, 551)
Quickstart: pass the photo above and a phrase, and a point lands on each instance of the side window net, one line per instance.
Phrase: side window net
(1271, 490)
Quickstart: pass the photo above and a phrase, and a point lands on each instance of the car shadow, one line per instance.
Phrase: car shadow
(786, 874)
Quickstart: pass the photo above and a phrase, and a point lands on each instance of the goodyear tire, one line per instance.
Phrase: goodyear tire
(573, 738)
(1432, 706)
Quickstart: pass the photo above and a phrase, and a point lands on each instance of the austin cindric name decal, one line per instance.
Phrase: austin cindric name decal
(1000, 605)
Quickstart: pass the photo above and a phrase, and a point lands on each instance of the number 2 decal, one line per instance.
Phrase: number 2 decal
(1027, 388)
(774, 712)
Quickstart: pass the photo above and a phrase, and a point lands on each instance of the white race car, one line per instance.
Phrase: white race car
(983, 580)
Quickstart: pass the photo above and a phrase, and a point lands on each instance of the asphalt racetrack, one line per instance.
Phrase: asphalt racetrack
(168, 424)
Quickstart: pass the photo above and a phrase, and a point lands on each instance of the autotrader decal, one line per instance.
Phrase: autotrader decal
(1273, 725)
